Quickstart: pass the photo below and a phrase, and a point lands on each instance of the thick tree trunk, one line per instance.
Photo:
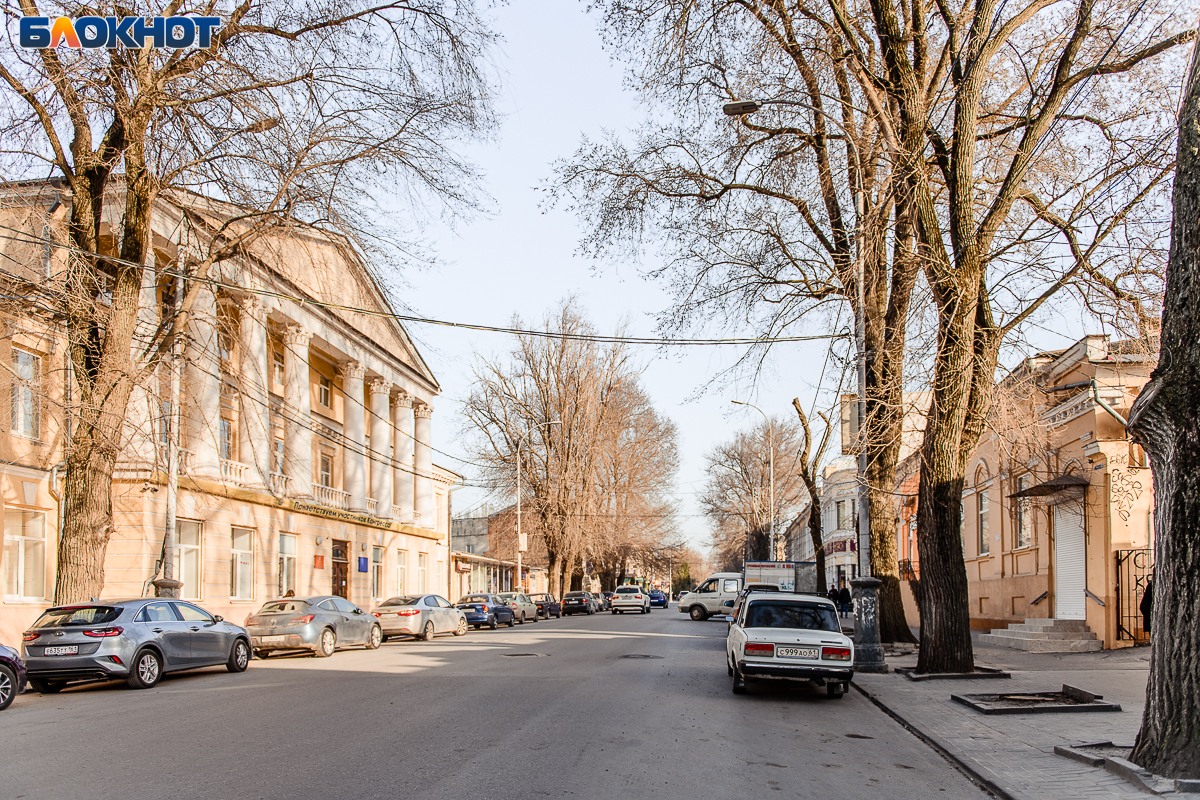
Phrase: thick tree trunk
(1164, 421)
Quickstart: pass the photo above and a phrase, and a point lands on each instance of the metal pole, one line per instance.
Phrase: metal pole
(167, 585)
(517, 582)
(860, 340)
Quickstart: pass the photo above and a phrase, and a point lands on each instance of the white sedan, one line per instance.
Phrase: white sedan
(630, 598)
(789, 637)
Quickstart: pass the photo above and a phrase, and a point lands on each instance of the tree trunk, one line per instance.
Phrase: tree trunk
(1163, 420)
(815, 532)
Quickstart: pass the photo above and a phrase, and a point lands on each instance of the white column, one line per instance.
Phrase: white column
(254, 426)
(202, 390)
(354, 429)
(424, 464)
(381, 446)
(297, 413)
(144, 413)
(402, 419)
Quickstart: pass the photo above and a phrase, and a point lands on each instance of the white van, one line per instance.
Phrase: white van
(711, 595)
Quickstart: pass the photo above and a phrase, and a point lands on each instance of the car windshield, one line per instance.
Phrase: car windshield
(402, 601)
(629, 590)
(77, 615)
(283, 606)
(807, 616)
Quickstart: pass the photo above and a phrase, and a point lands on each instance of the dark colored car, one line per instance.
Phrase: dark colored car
(486, 609)
(12, 676)
(605, 599)
(658, 598)
(546, 604)
(137, 640)
(578, 603)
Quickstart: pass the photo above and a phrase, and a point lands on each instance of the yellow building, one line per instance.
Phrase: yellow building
(305, 429)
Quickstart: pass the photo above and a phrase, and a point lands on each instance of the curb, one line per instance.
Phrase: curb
(983, 782)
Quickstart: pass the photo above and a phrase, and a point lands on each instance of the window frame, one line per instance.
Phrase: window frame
(325, 477)
(1023, 527)
(291, 559)
(423, 572)
(26, 403)
(401, 571)
(181, 550)
(236, 566)
(21, 569)
(377, 580)
(226, 439)
(325, 392)
(983, 510)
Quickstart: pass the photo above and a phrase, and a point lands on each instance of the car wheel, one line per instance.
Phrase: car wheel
(46, 687)
(376, 638)
(262, 654)
(146, 670)
(495, 623)
(239, 656)
(614, 612)
(427, 634)
(461, 630)
(728, 664)
(512, 620)
(836, 690)
(698, 613)
(384, 639)
(641, 611)
(739, 681)
(558, 615)
(8, 686)
(326, 644)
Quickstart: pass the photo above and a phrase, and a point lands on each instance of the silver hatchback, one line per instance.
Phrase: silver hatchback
(320, 624)
(138, 640)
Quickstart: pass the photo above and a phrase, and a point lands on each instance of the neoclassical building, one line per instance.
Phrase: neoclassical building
(301, 410)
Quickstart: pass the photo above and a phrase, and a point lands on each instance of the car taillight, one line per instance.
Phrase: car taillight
(835, 653)
(376, 614)
(483, 609)
(100, 633)
(246, 624)
(408, 612)
(760, 649)
(29, 636)
(307, 618)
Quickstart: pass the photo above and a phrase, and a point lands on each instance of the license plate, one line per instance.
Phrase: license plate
(273, 639)
(797, 652)
(66, 650)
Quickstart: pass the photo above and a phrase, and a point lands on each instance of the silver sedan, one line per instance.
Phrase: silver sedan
(321, 624)
(420, 615)
(137, 640)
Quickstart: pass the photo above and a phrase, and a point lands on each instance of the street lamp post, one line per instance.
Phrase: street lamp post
(518, 584)
(771, 477)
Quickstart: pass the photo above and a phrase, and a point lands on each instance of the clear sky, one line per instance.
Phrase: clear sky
(558, 85)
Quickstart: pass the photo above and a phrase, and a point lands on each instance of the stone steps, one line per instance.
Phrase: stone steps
(1045, 636)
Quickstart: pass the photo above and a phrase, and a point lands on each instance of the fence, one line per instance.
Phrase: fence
(1134, 568)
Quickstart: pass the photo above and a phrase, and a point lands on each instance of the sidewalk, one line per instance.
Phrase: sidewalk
(1013, 755)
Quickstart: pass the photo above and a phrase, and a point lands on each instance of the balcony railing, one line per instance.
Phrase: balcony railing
(234, 472)
(278, 483)
(332, 498)
(399, 514)
(372, 506)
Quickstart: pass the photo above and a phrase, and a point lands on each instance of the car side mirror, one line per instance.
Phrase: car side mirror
(357, 610)
(218, 618)
(729, 619)
(728, 604)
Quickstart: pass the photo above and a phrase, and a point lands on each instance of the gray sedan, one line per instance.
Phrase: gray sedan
(420, 615)
(321, 624)
(138, 640)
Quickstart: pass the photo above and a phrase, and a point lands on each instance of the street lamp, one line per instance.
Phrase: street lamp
(771, 462)
(517, 584)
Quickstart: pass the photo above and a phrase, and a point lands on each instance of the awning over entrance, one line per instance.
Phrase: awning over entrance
(1053, 486)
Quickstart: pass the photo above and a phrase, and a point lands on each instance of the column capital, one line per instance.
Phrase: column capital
(402, 399)
(296, 336)
(379, 386)
(351, 370)
(252, 305)
(422, 410)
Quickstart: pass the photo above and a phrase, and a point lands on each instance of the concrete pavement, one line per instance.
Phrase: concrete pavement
(468, 717)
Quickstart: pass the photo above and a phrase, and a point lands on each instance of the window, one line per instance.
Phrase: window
(422, 569)
(1024, 515)
(225, 347)
(325, 392)
(401, 571)
(287, 563)
(26, 411)
(241, 565)
(377, 572)
(325, 478)
(707, 586)
(225, 438)
(191, 613)
(277, 456)
(843, 514)
(984, 503)
(277, 363)
(25, 555)
(343, 605)
(157, 612)
(187, 558)
(470, 549)
(729, 586)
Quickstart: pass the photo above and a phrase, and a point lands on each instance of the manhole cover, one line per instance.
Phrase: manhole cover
(524, 655)
(640, 655)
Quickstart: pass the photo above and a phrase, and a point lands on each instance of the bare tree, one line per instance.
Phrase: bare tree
(1163, 420)
(297, 114)
(809, 461)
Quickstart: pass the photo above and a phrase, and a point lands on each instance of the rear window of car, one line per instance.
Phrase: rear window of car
(402, 601)
(806, 616)
(629, 590)
(77, 615)
(574, 594)
(477, 598)
(508, 596)
(283, 606)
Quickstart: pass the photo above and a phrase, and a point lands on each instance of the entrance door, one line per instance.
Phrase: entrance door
(341, 569)
(1069, 569)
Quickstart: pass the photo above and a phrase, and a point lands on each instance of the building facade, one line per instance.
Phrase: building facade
(303, 430)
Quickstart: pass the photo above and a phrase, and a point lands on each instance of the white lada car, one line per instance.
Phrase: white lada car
(789, 637)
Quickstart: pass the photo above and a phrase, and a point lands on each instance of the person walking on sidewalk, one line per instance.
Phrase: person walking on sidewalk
(844, 600)
(1147, 606)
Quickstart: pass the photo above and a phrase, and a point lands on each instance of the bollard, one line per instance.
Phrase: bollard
(868, 652)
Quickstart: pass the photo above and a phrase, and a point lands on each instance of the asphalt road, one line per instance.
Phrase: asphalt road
(471, 718)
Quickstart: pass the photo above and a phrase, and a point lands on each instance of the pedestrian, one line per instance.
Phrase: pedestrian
(844, 599)
(832, 594)
(1147, 606)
